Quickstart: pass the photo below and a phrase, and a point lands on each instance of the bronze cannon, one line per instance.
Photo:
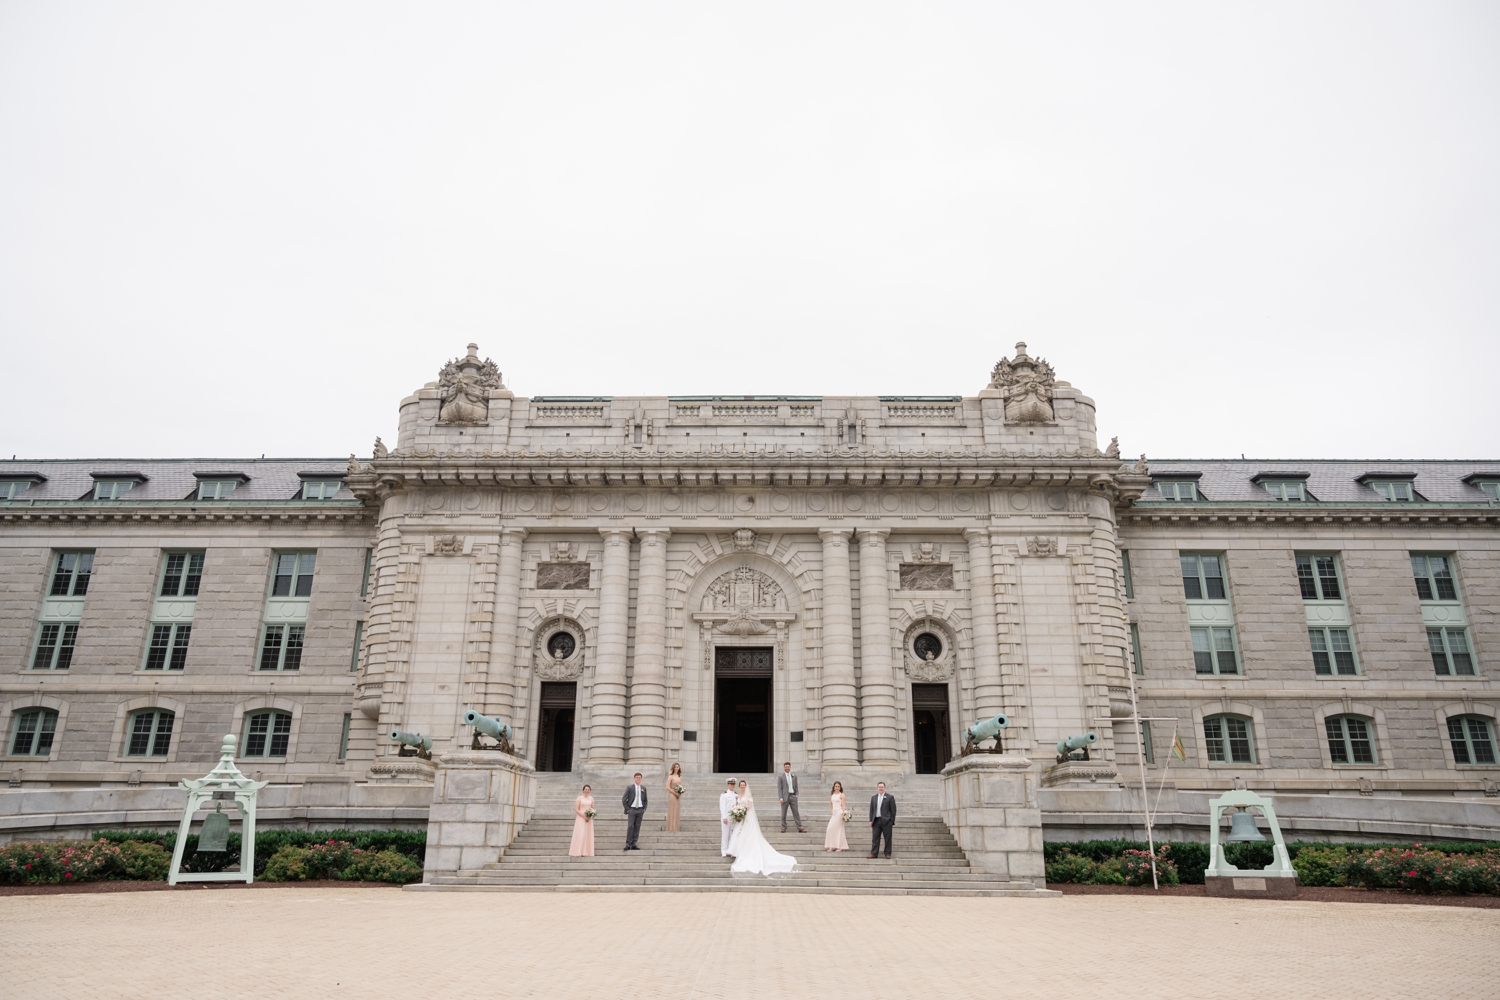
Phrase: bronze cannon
(1065, 748)
(985, 729)
(496, 730)
(412, 744)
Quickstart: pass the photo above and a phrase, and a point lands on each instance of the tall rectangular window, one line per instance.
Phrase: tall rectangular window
(1434, 577)
(1125, 567)
(1214, 651)
(1203, 577)
(1227, 739)
(1146, 741)
(1135, 647)
(359, 636)
(70, 574)
(1318, 576)
(182, 573)
(1333, 652)
(54, 646)
(344, 739)
(169, 646)
(1450, 652)
(293, 575)
(281, 647)
(364, 584)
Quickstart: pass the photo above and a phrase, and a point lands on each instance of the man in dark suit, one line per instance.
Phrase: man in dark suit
(634, 801)
(882, 819)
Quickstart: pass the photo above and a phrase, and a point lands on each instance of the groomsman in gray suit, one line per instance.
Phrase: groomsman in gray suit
(634, 801)
(882, 819)
(787, 787)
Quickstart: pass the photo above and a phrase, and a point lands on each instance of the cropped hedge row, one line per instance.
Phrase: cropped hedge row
(284, 855)
(1467, 867)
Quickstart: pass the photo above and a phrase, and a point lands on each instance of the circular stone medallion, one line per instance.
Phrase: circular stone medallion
(525, 502)
(890, 501)
(927, 501)
(781, 502)
(708, 503)
(745, 502)
(963, 502)
(853, 501)
(598, 501)
(671, 502)
(562, 502)
(816, 501)
(635, 501)
(1057, 501)
(1020, 501)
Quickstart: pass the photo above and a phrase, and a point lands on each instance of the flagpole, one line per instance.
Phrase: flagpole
(1140, 749)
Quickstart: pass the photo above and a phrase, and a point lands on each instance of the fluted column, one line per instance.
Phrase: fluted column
(607, 702)
(648, 685)
(877, 681)
(987, 690)
(500, 689)
(840, 733)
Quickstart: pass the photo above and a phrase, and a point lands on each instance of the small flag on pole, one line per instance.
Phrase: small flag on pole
(1177, 747)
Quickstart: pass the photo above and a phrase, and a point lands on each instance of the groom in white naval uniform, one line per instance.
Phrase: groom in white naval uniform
(726, 803)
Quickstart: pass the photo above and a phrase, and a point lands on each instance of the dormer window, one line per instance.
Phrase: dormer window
(217, 487)
(114, 487)
(321, 489)
(1181, 490)
(1286, 489)
(12, 488)
(1395, 490)
(1489, 485)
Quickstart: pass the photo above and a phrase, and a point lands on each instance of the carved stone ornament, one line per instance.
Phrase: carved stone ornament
(554, 657)
(464, 385)
(1141, 468)
(924, 663)
(380, 450)
(927, 553)
(1026, 383)
(1113, 451)
(744, 602)
(353, 466)
(744, 539)
(562, 552)
(1039, 545)
(448, 545)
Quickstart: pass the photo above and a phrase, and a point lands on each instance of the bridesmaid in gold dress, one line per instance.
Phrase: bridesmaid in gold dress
(583, 826)
(834, 839)
(674, 798)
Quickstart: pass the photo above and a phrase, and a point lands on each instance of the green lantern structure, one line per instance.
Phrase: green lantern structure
(224, 783)
(1220, 878)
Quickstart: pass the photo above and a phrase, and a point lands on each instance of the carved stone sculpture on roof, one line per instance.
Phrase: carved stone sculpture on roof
(380, 450)
(1026, 383)
(1113, 451)
(464, 386)
(1141, 468)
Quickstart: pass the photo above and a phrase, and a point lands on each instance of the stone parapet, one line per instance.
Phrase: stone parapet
(989, 802)
(480, 801)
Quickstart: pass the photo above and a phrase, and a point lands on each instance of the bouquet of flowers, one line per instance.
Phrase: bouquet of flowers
(678, 789)
(846, 815)
(589, 814)
(738, 814)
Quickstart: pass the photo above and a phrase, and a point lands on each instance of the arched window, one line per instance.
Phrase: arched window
(1227, 739)
(1473, 739)
(32, 732)
(1351, 739)
(149, 733)
(267, 734)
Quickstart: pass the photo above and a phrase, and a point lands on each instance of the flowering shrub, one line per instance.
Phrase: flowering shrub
(342, 860)
(1136, 867)
(1419, 869)
(63, 862)
(382, 866)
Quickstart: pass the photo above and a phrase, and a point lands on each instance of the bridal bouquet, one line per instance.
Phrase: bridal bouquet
(846, 815)
(738, 814)
(678, 789)
(589, 814)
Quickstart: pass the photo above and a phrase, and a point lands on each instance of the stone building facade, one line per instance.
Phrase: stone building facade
(842, 582)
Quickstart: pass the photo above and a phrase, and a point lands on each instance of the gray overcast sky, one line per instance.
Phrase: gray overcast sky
(1269, 228)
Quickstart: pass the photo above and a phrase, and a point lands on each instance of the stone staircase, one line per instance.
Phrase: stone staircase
(927, 860)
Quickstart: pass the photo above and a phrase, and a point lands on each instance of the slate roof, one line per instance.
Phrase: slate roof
(1223, 480)
(174, 479)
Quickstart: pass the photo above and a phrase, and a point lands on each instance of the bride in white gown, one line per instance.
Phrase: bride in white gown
(753, 855)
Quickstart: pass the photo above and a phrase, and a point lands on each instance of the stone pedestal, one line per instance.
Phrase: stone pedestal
(480, 801)
(989, 802)
(1251, 886)
(1080, 774)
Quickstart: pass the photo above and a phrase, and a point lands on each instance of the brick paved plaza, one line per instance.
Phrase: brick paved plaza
(360, 942)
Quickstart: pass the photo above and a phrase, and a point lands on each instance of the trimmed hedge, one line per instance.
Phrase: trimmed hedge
(342, 860)
(411, 844)
(1468, 866)
(58, 862)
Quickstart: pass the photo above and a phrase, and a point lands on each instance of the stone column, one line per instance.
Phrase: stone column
(500, 689)
(607, 702)
(840, 732)
(987, 690)
(877, 681)
(648, 686)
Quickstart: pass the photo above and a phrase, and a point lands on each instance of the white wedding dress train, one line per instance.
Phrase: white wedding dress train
(753, 854)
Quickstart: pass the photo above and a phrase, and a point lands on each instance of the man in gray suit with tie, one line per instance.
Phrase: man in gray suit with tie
(787, 787)
(634, 801)
(882, 819)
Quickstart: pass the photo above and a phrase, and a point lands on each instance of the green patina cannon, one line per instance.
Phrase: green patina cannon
(985, 729)
(493, 728)
(1065, 748)
(412, 744)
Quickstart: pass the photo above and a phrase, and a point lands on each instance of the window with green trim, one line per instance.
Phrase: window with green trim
(1350, 739)
(71, 572)
(1227, 740)
(344, 739)
(12, 488)
(1146, 742)
(1214, 651)
(149, 733)
(1125, 567)
(1318, 577)
(168, 647)
(1286, 489)
(359, 637)
(216, 489)
(32, 732)
(293, 575)
(364, 584)
(281, 647)
(1434, 577)
(54, 646)
(320, 489)
(113, 489)
(1490, 487)
(1472, 738)
(1181, 490)
(267, 734)
(1203, 577)
(1450, 652)
(1135, 647)
(1394, 490)
(1332, 651)
(181, 574)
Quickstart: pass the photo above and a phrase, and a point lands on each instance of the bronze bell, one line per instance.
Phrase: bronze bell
(215, 833)
(1242, 829)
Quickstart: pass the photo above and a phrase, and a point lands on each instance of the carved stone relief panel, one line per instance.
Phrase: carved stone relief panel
(926, 576)
(558, 650)
(562, 576)
(928, 651)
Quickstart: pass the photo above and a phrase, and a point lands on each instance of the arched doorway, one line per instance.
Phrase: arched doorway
(930, 736)
(743, 720)
(554, 749)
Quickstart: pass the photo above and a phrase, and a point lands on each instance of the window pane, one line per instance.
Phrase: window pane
(286, 566)
(1305, 578)
(1337, 751)
(1322, 664)
(255, 738)
(305, 573)
(180, 647)
(1442, 578)
(45, 647)
(70, 636)
(1203, 656)
(1135, 647)
(270, 650)
(1328, 578)
(1479, 738)
(21, 742)
(1456, 739)
(140, 734)
(1213, 738)
(171, 580)
(1458, 652)
(194, 575)
(1213, 578)
(45, 735)
(1190, 582)
(1224, 644)
(1360, 746)
(1439, 656)
(85, 570)
(1124, 562)
(1343, 650)
(293, 658)
(62, 579)
(281, 734)
(163, 741)
(156, 655)
(1239, 741)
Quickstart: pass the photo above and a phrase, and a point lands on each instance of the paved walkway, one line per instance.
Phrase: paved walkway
(386, 943)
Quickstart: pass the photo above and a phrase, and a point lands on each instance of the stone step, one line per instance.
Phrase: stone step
(446, 885)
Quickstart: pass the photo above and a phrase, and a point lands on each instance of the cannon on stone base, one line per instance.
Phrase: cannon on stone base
(984, 729)
(1066, 748)
(412, 744)
(494, 729)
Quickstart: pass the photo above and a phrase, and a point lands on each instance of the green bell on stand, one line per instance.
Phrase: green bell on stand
(1242, 829)
(215, 834)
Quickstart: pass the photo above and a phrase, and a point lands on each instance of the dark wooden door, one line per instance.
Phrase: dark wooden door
(930, 735)
(554, 750)
(743, 716)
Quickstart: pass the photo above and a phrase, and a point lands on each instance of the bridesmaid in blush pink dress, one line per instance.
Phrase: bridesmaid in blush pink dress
(834, 839)
(674, 799)
(583, 826)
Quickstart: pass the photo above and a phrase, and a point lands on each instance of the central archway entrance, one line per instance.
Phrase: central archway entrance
(743, 709)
